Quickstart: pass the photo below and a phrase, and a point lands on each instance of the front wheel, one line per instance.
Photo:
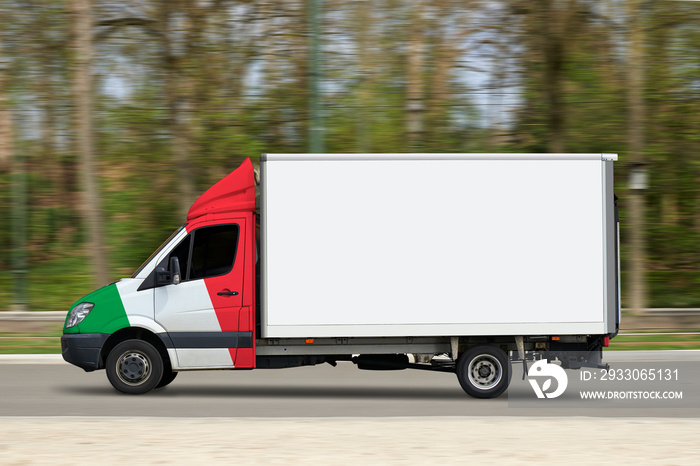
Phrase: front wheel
(484, 371)
(134, 367)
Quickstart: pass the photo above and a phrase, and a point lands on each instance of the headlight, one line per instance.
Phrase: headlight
(78, 313)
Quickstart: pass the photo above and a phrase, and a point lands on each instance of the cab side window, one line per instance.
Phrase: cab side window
(206, 252)
(213, 251)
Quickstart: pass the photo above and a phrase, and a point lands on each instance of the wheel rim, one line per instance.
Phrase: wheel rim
(485, 371)
(133, 368)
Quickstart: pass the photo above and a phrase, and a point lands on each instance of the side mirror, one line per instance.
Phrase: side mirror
(175, 271)
(169, 277)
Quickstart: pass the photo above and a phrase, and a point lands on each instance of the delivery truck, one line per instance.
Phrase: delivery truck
(463, 263)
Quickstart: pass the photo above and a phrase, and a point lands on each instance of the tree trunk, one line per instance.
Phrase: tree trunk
(637, 224)
(363, 112)
(14, 162)
(554, 31)
(316, 130)
(83, 89)
(179, 108)
(415, 105)
(5, 116)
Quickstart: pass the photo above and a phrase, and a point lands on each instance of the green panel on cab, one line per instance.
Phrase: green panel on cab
(107, 316)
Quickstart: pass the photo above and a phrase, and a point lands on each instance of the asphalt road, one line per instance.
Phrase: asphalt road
(59, 389)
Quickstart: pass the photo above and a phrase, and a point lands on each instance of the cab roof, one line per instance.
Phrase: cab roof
(233, 193)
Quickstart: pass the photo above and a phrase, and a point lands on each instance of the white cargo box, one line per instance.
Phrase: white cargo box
(437, 245)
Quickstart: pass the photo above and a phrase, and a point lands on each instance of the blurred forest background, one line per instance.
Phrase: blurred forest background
(115, 116)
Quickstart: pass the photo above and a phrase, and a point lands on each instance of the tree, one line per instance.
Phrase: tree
(415, 106)
(635, 129)
(11, 160)
(83, 91)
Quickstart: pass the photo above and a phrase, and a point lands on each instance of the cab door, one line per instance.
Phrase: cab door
(201, 314)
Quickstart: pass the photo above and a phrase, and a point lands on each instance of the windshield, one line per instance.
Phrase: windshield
(155, 253)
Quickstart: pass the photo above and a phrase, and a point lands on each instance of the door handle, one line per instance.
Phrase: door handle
(227, 293)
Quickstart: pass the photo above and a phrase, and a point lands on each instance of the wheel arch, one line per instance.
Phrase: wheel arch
(138, 333)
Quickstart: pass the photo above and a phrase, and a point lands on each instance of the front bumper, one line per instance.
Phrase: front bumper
(83, 349)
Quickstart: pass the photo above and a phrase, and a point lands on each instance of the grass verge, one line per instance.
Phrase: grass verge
(654, 342)
(30, 345)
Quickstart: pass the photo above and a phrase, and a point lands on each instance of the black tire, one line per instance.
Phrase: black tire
(168, 376)
(484, 371)
(134, 367)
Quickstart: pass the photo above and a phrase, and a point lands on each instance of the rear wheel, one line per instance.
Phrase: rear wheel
(484, 371)
(134, 367)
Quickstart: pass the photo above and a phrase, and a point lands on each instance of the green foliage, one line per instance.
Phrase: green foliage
(674, 288)
(53, 283)
(240, 87)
